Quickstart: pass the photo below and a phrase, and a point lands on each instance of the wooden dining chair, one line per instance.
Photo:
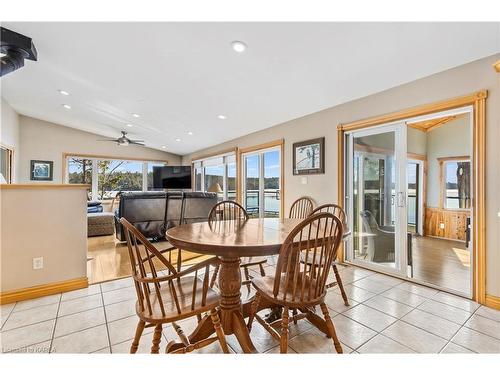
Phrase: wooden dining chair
(230, 210)
(301, 208)
(295, 285)
(171, 295)
(340, 213)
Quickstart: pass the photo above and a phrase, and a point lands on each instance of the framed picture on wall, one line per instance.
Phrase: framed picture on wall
(41, 170)
(309, 156)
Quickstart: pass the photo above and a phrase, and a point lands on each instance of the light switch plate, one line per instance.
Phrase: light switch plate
(441, 225)
(303, 180)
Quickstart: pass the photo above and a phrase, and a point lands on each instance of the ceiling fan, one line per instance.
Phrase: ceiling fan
(123, 140)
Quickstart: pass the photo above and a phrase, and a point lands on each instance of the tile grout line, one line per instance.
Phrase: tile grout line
(416, 308)
(105, 320)
(380, 333)
(64, 316)
(464, 325)
(456, 333)
(55, 325)
(8, 316)
(438, 291)
(397, 319)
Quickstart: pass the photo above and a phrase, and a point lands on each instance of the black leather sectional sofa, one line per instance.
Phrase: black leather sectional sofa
(154, 212)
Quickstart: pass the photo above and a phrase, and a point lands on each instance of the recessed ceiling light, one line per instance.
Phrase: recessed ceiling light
(130, 125)
(62, 92)
(136, 115)
(221, 117)
(239, 46)
(163, 146)
(177, 139)
(190, 133)
(67, 106)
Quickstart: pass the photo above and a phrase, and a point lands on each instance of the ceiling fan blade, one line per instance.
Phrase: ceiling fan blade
(106, 140)
(136, 140)
(136, 143)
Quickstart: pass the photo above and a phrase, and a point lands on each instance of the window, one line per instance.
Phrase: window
(5, 165)
(115, 176)
(216, 174)
(214, 180)
(108, 177)
(197, 179)
(456, 174)
(80, 171)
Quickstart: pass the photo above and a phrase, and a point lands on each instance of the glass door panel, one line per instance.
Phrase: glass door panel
(231, 181)
(374, 187)
(262, 183)
(251, 197)
(272, 192)
(375, 199)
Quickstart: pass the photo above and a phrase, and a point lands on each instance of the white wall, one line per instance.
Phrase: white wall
(451, 139)
(42, 140)
(9, 135)
(417, 141)
(462, 80)
(42, 222)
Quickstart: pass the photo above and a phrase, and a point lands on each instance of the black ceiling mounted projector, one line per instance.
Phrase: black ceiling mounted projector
(16, 48)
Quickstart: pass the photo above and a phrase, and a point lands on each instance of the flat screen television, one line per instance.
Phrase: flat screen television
(170, 177)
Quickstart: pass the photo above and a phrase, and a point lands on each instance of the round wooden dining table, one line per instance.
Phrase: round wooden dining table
(230, 240)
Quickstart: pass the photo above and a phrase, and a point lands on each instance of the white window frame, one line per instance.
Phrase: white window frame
(221, 160)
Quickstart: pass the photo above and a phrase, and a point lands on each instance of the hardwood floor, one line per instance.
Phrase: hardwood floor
(108, 259)
(442, 262)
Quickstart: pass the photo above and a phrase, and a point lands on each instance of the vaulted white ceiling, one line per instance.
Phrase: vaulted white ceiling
(180, 76)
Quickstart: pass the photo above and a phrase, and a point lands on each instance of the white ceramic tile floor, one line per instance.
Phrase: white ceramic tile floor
(386, 315)
(432, 323)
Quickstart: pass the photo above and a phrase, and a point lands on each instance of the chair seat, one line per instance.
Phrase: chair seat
(309, 259)
(252, 261)
(265, 286)
(184, 290)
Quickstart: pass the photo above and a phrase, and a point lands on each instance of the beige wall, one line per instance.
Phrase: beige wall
(462, 80)
(43, 222)
(41, 140)
(9, 134)
(451, 139)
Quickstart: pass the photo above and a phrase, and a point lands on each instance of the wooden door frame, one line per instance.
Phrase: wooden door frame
(10, 165)
(478, 102)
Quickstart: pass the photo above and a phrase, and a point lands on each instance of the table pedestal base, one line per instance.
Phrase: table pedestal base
(230, 306)
(231, 309)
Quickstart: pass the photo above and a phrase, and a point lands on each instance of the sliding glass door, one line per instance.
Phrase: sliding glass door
(261, 182)
(376, 197)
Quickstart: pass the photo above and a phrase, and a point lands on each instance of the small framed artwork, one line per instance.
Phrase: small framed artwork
(41, 170)
(309, 156)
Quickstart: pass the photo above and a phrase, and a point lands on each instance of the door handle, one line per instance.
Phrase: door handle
(401, 199)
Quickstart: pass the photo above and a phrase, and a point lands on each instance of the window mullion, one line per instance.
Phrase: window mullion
(94, 179)
(224, 180)
(145, 176)
(261, 185)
